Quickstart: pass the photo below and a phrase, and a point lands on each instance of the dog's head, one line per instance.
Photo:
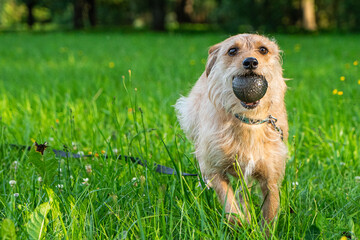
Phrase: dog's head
(245, 73)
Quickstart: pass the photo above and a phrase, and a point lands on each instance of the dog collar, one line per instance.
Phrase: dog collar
(270, 119)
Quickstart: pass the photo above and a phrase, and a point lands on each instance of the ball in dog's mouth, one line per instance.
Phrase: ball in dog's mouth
(249, 89)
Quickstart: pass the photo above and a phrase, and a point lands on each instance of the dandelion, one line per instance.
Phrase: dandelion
(33, 140)
(343, 238)
(340, 93)
(103, 151)
(96, 155)
(359, 81)
(16, 194)
(57, 121)
(85, 181)
(90, 153)
(88, 168)
(355, 62)
(130, 110)
(40, 179)
(342, 78)
(12, 183)
(335, 91)
(142, 179)
(111, 64)
(15, 164)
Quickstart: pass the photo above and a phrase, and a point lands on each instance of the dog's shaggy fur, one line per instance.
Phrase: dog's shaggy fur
(220, 139)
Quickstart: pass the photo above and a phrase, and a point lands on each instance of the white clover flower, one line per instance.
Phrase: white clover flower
(134, 179)
(40, 179)
(88, 168)
(85, 181)
(12, 183)
(295, 183)
(81, 153)
(342, 164)
(115, 150)
(60, 186)
(357, 178)
(51, 139)
(16, 194)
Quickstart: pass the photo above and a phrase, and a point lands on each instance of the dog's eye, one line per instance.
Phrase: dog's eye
(233, 51)
(263, 50)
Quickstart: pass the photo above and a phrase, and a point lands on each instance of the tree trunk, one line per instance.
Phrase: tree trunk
(182, 16)
(30, 18)
(92, 12)
(158, 14)
(309, 19)
(78, 14)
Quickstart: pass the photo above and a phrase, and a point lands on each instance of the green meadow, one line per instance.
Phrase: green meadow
(113, 93)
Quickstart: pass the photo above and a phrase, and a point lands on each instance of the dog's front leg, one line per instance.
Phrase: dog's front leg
(270, 191)
(226, 196)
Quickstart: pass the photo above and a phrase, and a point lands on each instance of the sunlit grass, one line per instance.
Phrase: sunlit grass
(75, 89)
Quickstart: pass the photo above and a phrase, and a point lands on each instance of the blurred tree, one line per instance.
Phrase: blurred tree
(30, 5)
(79, 6)
(158, 10)
(182, 11)
(309, 20)
(82, 9)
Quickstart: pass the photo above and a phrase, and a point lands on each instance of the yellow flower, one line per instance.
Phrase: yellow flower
(130, 110)
(297, 47)
(96, 154)
(359, 81)
(57, 121)
(343, 238)
(103, 151)
(33, 140)
(111, 64)
(340, 93)
(355, 62)
(335, 91)
(89, 153)
(342, 78)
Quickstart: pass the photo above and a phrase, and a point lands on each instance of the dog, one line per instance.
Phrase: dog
(228, 132)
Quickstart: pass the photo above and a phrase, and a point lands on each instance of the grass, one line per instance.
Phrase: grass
(75, 89)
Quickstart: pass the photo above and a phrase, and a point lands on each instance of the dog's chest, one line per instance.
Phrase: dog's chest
(248, 146)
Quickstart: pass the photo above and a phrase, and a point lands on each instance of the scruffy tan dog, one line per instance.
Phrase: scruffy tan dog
(229, 132)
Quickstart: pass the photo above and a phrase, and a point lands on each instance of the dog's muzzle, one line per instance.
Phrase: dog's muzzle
(249, 89)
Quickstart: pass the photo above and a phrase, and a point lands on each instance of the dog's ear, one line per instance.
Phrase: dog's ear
(212, 58)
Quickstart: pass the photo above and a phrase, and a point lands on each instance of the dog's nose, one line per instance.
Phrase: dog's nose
(250, 63)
